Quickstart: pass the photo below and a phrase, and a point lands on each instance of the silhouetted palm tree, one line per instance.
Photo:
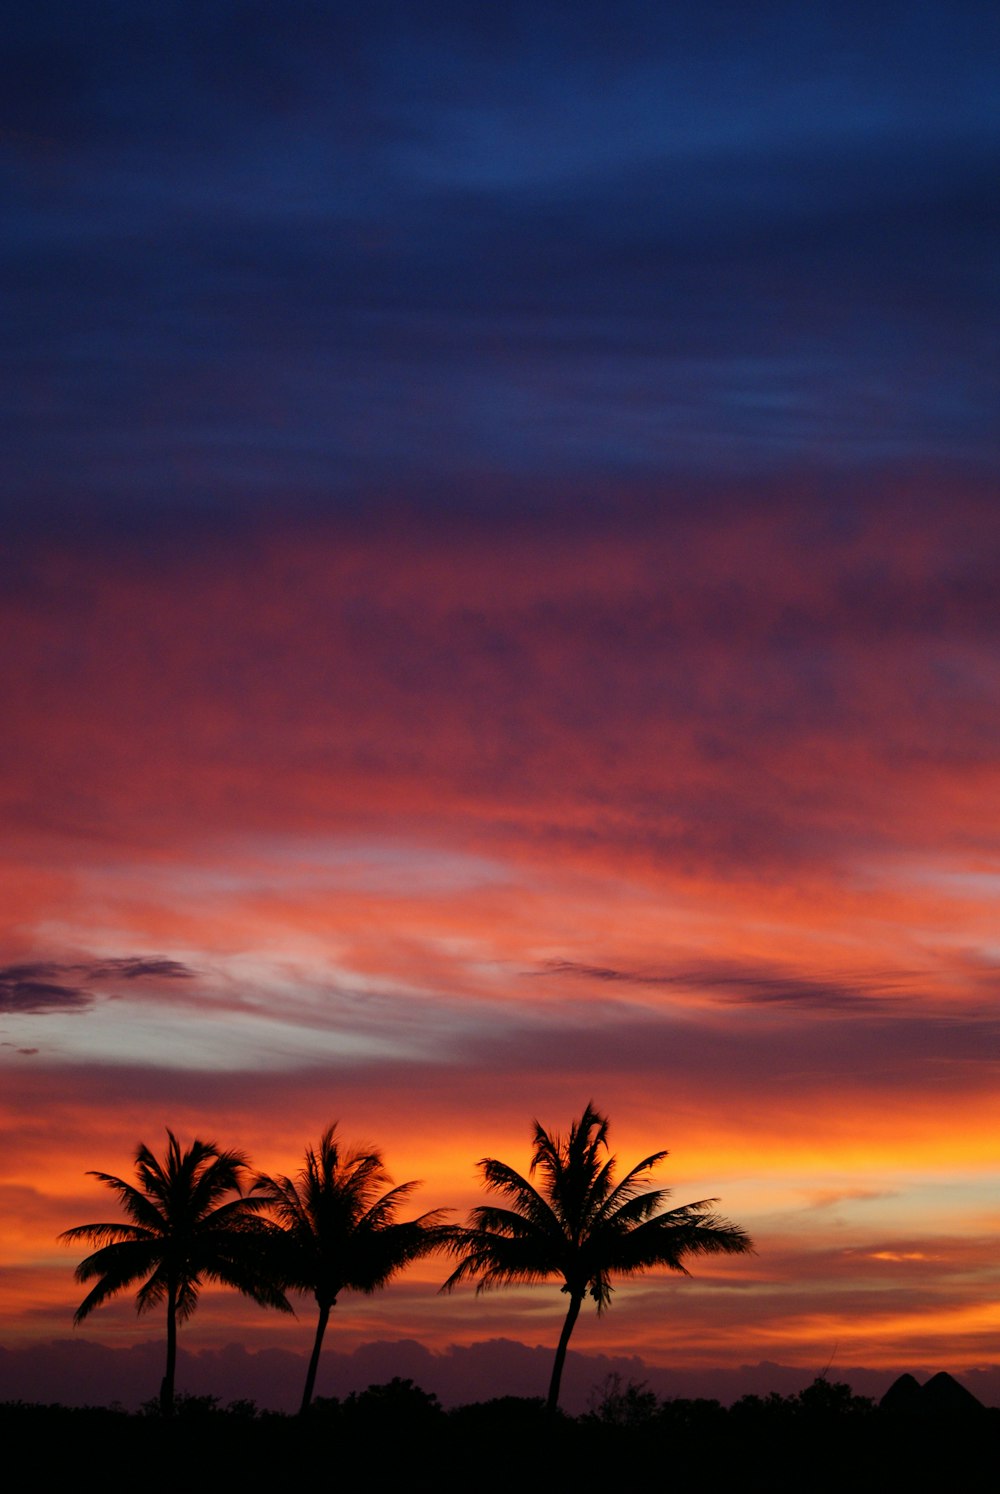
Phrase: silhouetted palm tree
(338, 1231)
(582, 1226)
(185, 1229)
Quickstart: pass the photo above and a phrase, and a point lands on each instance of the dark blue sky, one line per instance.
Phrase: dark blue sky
(319, 255)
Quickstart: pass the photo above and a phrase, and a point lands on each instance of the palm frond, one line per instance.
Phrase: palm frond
(668, 1239)
(129, 1257)
(633, 1183)
(154, 1290)
(376, 1256)
(140, 1208)
(578, 1224)
(379, 1215)
(597, 1193)
(154, 1178)
(214, 1181)
(338, 1221)
(187, 1295)
(231, 1215)
(118, 1267)
(105, 1289)
(184, 1222)
(334, 1227)
(489, 1219)
(526, 1199)
(571, 1167)
(106, 1234)
(281, 1198)
(501, 1260)
(247, 1265)
(631, 1210)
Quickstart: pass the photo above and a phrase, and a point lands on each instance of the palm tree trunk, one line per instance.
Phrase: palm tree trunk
(307, 1394)
(557, 1369)
(167, 1387)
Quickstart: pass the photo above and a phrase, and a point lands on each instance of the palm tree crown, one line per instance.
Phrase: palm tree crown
(185, 1228)
(582, 1226)
(337, 1229)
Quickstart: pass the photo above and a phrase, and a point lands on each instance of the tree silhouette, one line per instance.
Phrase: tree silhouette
(581, 1226)
(185, 1229)
(336, 1230)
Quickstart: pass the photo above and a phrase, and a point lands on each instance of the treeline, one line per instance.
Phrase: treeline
(825, 1438)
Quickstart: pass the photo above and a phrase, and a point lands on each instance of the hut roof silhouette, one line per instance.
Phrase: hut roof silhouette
(941, 1395)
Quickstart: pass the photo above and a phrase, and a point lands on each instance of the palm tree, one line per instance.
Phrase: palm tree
(581, 1226)
(338, 1231)
(184, 1229)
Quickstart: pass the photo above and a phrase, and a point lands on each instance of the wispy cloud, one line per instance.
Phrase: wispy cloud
(136, 967)
(829, 1198)
(753, 986)
(29, 988)
(37, 987)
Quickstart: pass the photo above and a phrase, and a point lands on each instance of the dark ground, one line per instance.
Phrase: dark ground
(823, 1439)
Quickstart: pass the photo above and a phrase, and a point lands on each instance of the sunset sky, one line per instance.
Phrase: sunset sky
(500, 609)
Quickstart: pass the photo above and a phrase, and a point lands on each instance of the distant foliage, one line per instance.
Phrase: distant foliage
(619, 1403)
(398, 1404)
(822, 1400)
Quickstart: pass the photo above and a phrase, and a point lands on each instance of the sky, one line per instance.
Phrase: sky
(499, 610)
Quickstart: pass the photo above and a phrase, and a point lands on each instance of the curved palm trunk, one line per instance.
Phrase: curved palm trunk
(557, 1369)
(167, 1386)
(307, 1394)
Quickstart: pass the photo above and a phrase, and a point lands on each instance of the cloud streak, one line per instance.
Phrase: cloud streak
(37, 987)
(741, 986)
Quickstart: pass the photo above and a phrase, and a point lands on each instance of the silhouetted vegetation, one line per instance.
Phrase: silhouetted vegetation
(823, 1439)
(335, 1230)
(185, 1228)
(582, 1227)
